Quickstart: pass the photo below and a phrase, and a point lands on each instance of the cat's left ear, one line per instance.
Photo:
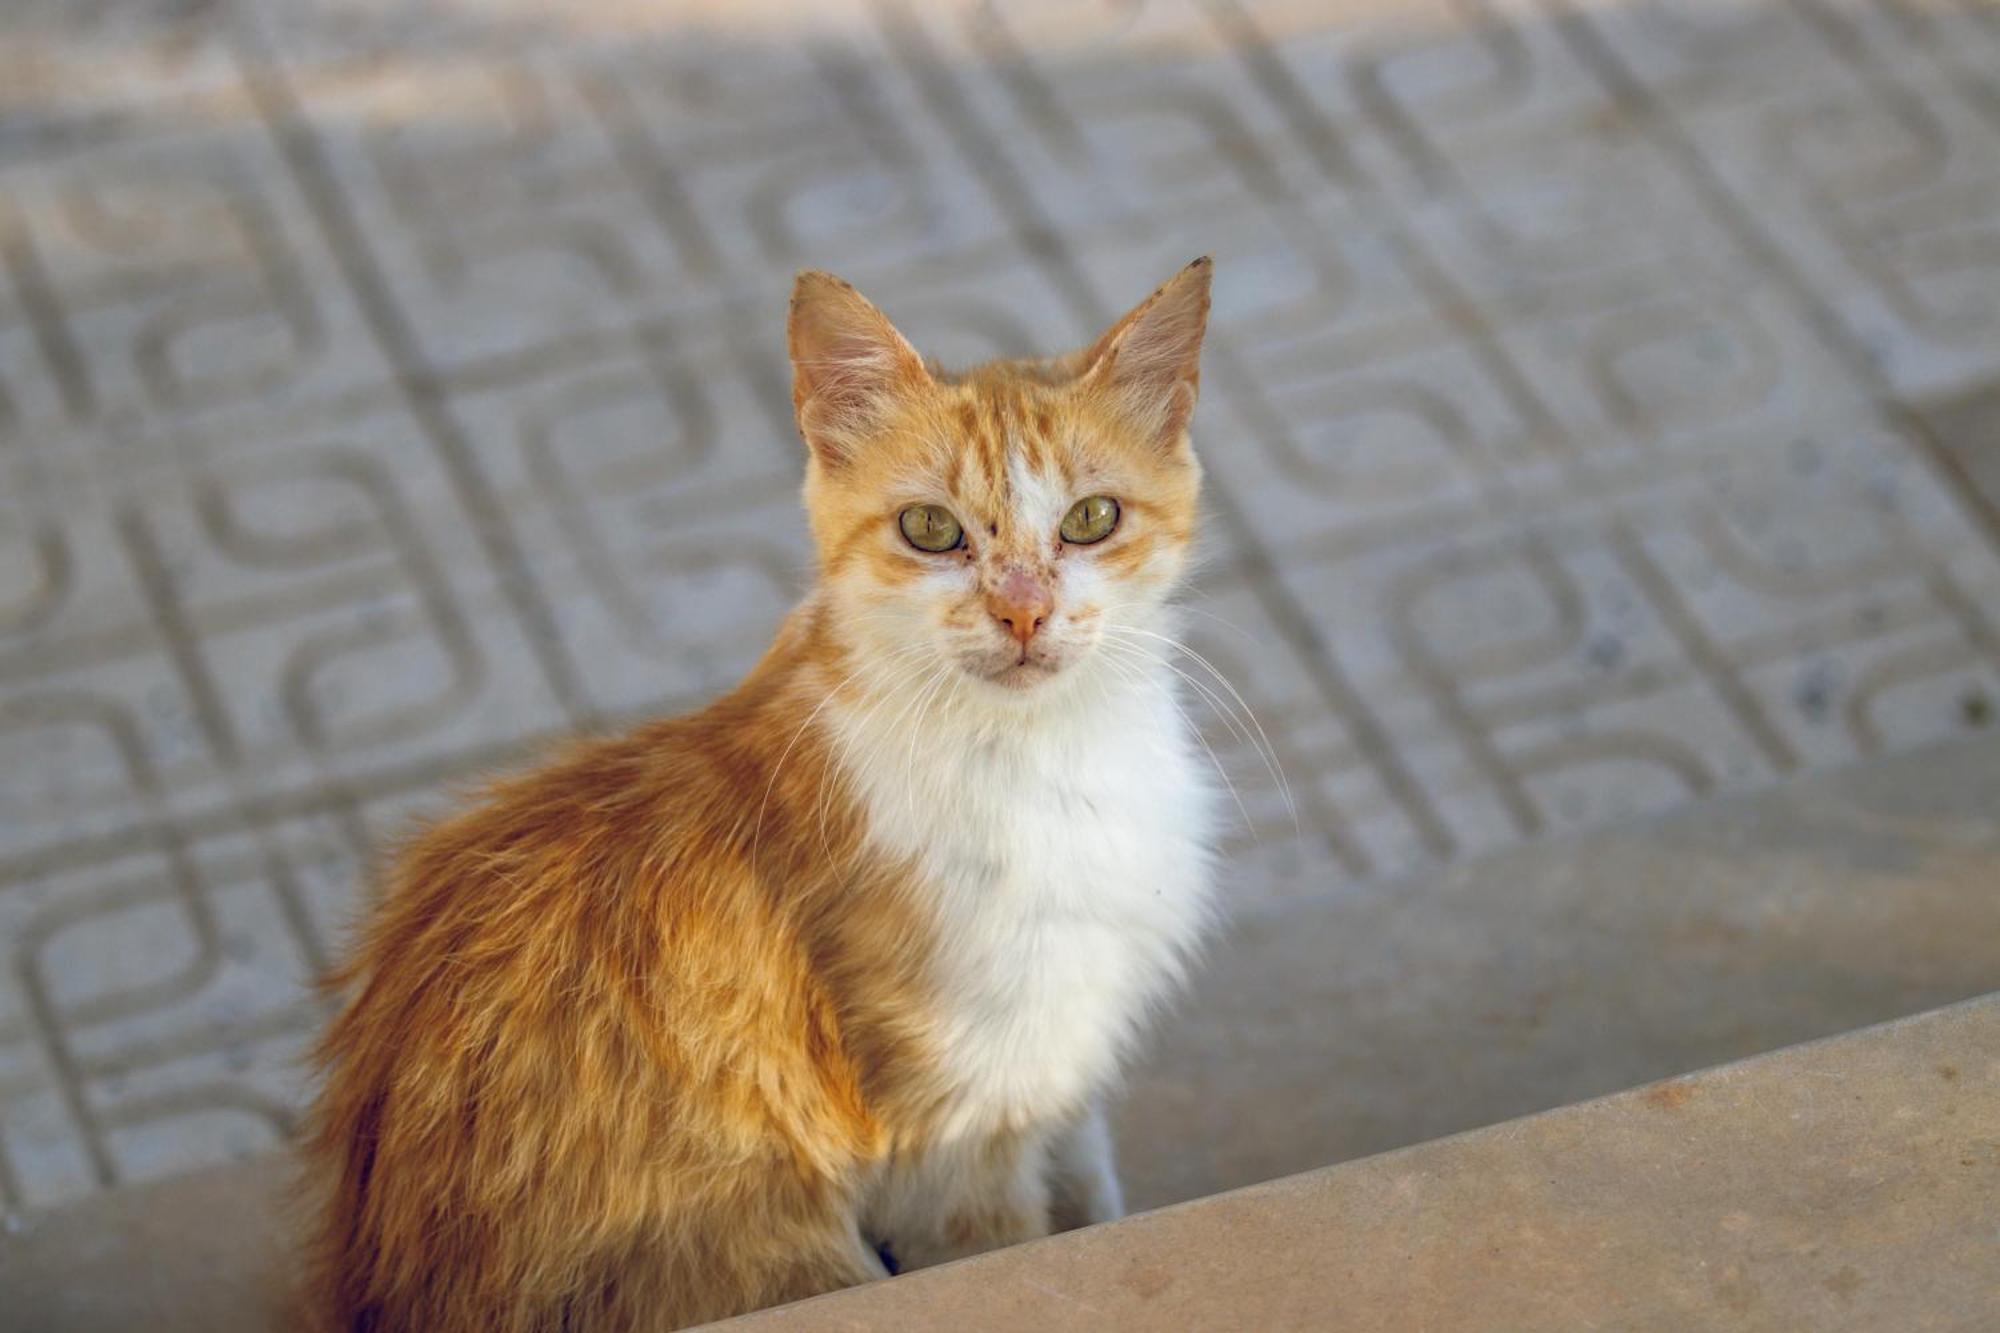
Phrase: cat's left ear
(1150, 361)
(848, 365)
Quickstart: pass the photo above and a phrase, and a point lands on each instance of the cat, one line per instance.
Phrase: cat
(835, 972)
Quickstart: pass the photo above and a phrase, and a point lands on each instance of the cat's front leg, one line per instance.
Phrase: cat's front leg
(964, 1198)
(1083, 1174)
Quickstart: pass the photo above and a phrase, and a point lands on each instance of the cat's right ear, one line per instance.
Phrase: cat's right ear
(848, 365)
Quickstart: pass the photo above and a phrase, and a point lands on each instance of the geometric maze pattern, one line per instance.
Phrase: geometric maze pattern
(386, 391)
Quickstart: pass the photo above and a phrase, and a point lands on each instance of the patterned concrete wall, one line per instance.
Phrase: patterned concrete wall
(385, 390)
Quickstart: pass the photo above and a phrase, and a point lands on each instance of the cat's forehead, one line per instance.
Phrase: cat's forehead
(1010, 446)
(1013, 450)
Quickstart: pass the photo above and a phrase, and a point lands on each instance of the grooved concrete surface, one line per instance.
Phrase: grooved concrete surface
(1597, 411)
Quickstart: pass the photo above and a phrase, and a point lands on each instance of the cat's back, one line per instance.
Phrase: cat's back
(663, 890)
(596, 827)
(577, 1000)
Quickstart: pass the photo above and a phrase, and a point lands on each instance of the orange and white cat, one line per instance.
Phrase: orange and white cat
(716, 1014)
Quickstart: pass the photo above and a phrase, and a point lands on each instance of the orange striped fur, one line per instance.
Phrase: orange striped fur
(677, 1025)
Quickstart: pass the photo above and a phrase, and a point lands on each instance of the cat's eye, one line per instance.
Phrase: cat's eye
(930, 528)
(1090, 520)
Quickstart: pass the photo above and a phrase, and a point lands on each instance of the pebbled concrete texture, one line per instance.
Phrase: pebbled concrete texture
(1600, 413)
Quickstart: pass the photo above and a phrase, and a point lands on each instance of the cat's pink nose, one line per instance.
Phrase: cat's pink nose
(1021, 603)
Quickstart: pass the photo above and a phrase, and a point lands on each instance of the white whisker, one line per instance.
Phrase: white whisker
(1181, 608)
(757, 833)
(1221, 771)
(1265, 749)
(838, 759)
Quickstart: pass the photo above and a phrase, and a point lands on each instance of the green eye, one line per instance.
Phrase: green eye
(930, 528)
(1090, 520)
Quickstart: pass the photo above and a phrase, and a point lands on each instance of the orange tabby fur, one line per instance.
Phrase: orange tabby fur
(624, 1041)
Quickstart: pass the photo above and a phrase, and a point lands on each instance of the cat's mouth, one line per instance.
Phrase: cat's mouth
(1023, 674)
(1019, 673)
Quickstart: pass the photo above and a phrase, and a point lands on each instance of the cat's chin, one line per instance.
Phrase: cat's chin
(1015, 677)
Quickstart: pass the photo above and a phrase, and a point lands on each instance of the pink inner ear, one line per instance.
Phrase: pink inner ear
(847, 361)
(1160, 350)
(1151, 359)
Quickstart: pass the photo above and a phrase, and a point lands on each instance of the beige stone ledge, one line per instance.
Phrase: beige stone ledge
(1852, 1183)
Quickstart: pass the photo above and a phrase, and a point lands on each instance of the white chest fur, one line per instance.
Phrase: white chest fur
(1065, 856)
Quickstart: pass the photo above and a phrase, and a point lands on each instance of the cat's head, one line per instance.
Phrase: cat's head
(1012, 521)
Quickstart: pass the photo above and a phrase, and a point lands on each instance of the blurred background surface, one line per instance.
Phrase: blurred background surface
(1600, 408)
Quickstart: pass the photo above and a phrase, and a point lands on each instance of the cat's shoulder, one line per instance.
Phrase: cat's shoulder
(650, 807)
